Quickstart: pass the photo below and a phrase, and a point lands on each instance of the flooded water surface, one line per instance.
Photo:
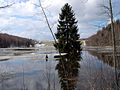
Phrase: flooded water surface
(85, 71)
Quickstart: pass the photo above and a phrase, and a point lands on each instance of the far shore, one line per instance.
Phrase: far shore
(7, 53)
(51, 47)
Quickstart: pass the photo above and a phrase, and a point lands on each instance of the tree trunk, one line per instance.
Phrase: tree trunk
(113, 43)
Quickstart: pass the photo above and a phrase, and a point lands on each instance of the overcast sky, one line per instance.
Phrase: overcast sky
(26, 20)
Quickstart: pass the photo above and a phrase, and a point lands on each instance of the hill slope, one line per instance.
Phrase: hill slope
(14, 41)
(104, 36)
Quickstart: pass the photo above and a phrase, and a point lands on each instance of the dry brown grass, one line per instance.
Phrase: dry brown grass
(49, 43)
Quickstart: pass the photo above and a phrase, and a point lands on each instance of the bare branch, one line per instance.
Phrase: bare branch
(105, 7)
(6, 6)
(98, 26)
(36, 5)
(37, 14)
(47, 21)
(42, 7)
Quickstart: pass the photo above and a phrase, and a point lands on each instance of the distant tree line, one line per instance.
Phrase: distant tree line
(14, 41)
(104, 37)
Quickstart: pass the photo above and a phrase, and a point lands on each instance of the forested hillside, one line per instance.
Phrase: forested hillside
(14, 41)
(104, 36)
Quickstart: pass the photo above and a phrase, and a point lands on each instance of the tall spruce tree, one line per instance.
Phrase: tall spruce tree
(67, 31)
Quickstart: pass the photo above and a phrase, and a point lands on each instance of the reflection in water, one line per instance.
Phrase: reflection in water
(28, 74)
(68, 69)
(93, 72)
(108, 58)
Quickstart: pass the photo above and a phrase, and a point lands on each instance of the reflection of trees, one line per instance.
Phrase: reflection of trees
(68, 68)
(5, 76)
(107, 58)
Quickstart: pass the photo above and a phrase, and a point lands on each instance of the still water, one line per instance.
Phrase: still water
(87, 71)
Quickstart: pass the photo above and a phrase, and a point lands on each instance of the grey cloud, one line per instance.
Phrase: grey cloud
(86, 11)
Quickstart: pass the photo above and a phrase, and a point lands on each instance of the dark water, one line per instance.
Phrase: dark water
(87, 71)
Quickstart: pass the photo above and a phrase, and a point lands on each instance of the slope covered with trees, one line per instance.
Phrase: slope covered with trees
(14, 41)
(104, 37)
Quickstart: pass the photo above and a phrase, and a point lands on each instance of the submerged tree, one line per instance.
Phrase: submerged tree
(67, 31)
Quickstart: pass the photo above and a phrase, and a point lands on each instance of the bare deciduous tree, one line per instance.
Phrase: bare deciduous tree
(113, 42)
(108, 10)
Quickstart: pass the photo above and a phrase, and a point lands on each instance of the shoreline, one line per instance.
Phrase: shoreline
(8, 53)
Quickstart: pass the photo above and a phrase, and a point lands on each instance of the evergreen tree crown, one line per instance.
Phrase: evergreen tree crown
(67, 30)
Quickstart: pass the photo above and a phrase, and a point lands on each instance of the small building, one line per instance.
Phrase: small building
(83, 41)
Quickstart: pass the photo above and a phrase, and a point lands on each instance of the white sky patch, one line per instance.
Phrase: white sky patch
(26, 20)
